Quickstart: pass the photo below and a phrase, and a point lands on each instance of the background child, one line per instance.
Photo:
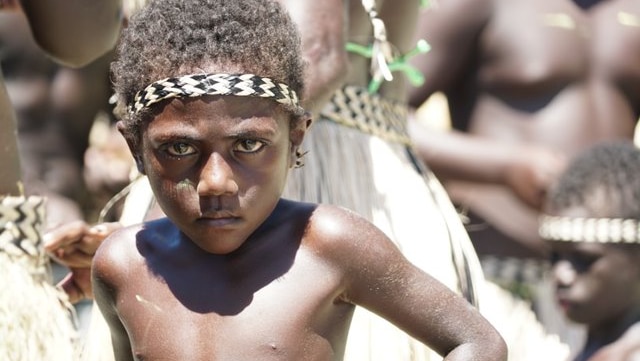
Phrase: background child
(592, 225)
(234, 271)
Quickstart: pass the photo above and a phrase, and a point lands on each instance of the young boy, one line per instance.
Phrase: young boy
(234, 272)
(592, 226)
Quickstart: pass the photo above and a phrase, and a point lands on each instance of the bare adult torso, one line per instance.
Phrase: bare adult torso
(552, 74)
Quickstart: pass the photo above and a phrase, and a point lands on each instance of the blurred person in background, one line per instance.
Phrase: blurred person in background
(36, 318)
(528, 85)
(591, 223)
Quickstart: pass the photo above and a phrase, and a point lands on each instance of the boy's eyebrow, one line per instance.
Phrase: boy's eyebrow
(252, 127)
(241, 134)
(252, 130)
(180, 132)
(252, 133)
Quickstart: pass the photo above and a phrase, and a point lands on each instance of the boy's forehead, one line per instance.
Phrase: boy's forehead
(237, 106)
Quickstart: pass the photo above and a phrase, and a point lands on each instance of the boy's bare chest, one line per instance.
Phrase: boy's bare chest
(288, 316)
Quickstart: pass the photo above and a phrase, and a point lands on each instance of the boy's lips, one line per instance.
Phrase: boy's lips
(564, 302)
(218, 214)
(219, 218)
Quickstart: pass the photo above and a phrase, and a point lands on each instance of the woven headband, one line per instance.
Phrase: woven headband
(196, 85)
(598, 230)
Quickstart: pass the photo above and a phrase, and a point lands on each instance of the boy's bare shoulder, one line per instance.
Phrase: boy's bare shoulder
(335, 221)
(339, 232)
(119, 251)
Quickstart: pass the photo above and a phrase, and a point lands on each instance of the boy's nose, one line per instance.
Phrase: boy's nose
(564, 273)
(216, 178)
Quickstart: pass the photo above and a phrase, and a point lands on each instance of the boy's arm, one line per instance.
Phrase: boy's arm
(380, 279)
(74, 32)
(103, 271)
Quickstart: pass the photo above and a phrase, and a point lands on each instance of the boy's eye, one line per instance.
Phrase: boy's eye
(582, 262)
(180, 149)
(249, 145)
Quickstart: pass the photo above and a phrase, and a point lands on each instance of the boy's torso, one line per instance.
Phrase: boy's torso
(277, 300)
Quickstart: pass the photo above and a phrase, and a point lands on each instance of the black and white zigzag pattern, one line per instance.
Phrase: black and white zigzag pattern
(355, 107)
(196, 85)
(20, 226)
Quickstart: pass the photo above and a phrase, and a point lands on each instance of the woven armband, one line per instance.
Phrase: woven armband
(21, 220)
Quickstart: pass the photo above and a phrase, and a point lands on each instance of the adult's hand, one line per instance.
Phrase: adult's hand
(532, 173)
(74, 245)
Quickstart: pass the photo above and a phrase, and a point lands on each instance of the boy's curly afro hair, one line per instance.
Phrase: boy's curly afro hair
(604, 179)
(169, 38)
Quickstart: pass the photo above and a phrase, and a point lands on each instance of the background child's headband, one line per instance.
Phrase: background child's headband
(196, 85)
(599, 230)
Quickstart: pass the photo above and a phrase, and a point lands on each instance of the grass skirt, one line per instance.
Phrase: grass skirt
(35, 317)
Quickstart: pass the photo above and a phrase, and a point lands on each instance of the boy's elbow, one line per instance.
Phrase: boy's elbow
(498, 347)
(489, 346)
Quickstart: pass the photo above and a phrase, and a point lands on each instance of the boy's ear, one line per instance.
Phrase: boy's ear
(296, 136)
(133, 146)
(299, 129)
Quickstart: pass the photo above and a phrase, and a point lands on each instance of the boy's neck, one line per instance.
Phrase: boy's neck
(606, 333)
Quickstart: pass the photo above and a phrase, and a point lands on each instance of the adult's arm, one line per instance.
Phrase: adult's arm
(452, 28)
(9, 160)
(74, 32)
(454, 155)
(323, 27)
